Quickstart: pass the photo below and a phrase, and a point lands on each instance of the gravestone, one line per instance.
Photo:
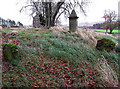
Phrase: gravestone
(73, 21)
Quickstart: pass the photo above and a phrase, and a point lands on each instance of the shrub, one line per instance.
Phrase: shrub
(10, 53)
(105, 44)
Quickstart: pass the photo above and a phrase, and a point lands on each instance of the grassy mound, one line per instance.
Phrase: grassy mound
(61, 59)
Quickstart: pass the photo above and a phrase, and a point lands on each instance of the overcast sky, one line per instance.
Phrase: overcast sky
(95, 11)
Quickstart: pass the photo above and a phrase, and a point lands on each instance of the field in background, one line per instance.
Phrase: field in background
(101, 30)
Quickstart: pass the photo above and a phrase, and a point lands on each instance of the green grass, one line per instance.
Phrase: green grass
(52, 60)
(114, 31)
(7, 30)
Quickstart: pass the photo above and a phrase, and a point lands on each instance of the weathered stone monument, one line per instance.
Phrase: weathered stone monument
(119, 14)
(119, 10)
(73, 21)
(36, 21)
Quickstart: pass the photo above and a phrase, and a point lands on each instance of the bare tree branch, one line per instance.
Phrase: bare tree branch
(24, 7)
(52, 11)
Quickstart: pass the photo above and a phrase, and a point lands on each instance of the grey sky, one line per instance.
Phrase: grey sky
(95, 11)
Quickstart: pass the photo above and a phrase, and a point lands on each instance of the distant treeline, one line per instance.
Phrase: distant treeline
(103, 26)
(9, 23)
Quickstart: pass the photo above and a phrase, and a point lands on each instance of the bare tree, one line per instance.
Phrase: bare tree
(110, 20)
(51, 11)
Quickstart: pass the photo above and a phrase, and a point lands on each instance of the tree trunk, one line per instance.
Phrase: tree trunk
(50, 11)
(111, 30)
(46, 13)
(59, 4)
(49, 14)
(53, 23)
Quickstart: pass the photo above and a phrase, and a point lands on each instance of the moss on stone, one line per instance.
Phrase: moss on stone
(10, 53)
(105, 44)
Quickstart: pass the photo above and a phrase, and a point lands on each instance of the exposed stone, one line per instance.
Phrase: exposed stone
(105, 44)
(38, 21)
(10, 53)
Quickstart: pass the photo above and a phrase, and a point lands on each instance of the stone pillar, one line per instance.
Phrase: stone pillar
(119, 14)
(73, 25)
(119, 10)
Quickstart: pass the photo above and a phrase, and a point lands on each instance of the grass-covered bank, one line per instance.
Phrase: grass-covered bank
(59, 59)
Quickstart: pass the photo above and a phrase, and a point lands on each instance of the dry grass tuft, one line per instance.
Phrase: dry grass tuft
(87, 35)
(107, 73)
(56, 28)
(90, 35)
